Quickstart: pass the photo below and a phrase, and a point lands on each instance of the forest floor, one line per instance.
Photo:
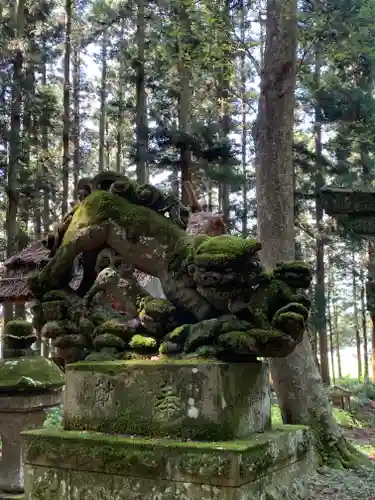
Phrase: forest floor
(356, 484)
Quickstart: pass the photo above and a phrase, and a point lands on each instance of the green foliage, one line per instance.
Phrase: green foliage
(344, 418)
(18, 328)
(363, 389)
(53, 418)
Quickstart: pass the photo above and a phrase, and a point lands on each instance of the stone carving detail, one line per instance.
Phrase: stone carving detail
(219, 301)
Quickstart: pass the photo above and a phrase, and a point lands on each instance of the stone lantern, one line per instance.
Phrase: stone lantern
(28, 387)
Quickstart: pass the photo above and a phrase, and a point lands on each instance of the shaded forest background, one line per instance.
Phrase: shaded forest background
(166, 92)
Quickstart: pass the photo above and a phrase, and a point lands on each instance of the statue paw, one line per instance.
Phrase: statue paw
(296, 274)
(291, 320)
(238, 343)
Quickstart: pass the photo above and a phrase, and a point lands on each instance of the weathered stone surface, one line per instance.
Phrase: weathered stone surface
(68, 465)
(191, 399)
(28, 387)
(30, 373)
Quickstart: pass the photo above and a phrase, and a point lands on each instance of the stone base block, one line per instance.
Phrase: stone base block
(190, 399)
(70, 465)
(28, 387)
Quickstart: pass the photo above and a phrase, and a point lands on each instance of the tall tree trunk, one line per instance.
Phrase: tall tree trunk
(120, 98)
(371, 276)
(244, 123)
(329, 320)
(184, 113)
(224, 188)
(14, 165)
(298, 384)
(337, 338)
(24, 200)
(320, 299)
(45, 147)
(66, 116)
(364, 326)
(356, 316)
(141, 96)
(103, 102)
(76, 117)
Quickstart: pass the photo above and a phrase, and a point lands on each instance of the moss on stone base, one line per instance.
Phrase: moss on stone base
(230, 464)
(25, 374)
(116, 367)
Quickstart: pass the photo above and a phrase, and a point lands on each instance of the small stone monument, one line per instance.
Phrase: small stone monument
(167, 429)
(28, 386)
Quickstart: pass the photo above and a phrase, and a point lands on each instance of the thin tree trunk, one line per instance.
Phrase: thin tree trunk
(224, 188)
(329, 321)
(141, 96)
(371, 277)
(76, 117)
(14, 165)
(45, 156)
(184, 113)
(24, 200)
(244, 122)
(337, 339)
(120, 98)
(103, 102)
(298, 384)
(356, 317)
(66, 116)
(366, 371)
(320, 299)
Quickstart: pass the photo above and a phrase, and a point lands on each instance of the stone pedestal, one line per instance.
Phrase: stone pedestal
(184, 399)
(186, 430)
(28, 386)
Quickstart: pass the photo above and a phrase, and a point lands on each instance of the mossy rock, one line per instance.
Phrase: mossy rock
(32, 373)
(169, 348)
(74, 340)
(53, 329)
(108, 340)
(156, 308)
(178, 335)
(54, 295)
(102, 206)
(106, 354)
(115, 328)
(297, 274)
(86, 327)
(206, 352)
(143, 343)
(54, 310)
(223, 251)
(201, 334)
(133, 356)
(237, 342)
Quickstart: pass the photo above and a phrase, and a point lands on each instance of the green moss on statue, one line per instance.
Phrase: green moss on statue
(143, 343)
(219, 251)
(114, 327)
(102, 206)
(219, 295)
